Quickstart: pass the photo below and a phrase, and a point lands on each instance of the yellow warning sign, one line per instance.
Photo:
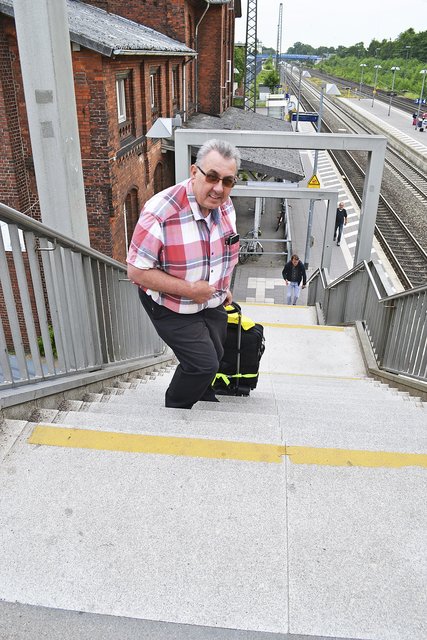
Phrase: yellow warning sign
(313, 183)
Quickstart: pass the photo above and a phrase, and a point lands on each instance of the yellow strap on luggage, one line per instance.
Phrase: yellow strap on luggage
(233, 318)
(226, 379)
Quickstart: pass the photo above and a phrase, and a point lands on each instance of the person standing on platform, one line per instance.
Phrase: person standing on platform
(293, 274)
(414, 120)
(182, 255)
(340, 222)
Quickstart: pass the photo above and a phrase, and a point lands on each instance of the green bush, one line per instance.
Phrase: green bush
(52, 343)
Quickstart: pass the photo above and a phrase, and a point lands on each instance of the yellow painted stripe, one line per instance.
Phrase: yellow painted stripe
(273, 304)
(219, 449)
(165, 445)
(307, 375)
(313, 327)
(355, 458)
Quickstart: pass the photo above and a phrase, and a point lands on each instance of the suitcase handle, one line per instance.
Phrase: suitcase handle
(236, 307)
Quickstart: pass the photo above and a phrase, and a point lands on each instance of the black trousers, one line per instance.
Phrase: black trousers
(197, 340)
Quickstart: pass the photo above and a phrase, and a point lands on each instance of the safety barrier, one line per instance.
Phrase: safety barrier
(64, 308)
(395, 325)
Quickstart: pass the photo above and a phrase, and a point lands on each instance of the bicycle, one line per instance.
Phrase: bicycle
(250, 247)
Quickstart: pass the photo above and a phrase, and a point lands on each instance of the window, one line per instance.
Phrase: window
(121, 99)
(152, 90)
(175, 87)
(155, 95)
(131, 214)
(125, 106)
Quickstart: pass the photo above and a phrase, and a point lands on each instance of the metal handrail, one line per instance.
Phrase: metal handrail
(66, 308)
(395, 324)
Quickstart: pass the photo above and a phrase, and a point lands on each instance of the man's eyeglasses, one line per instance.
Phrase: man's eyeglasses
(213, 178)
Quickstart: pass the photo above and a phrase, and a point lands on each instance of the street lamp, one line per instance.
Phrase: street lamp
(362, 68)
(302, 74)
(329, 90)
(377, 67)
(423, 71)
(394, 69)
(408, 49)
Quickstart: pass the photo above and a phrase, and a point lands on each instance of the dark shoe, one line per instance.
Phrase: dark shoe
(209, 396)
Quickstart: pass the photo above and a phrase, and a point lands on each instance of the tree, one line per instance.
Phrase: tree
(269, 78)
(239, 64)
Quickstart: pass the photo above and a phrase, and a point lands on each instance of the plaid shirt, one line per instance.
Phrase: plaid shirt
(172, 235)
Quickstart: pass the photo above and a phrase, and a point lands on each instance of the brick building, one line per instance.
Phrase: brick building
(125, 77)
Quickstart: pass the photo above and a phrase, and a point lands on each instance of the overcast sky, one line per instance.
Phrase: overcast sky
(332, 23)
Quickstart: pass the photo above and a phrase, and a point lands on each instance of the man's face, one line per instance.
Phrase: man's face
(341, 205)
(212, 195)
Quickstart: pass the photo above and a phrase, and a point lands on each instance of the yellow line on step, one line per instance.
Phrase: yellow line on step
(166, 445)
(218, 449)
(313, 327)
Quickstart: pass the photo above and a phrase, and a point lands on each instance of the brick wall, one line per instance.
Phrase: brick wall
(17, 178)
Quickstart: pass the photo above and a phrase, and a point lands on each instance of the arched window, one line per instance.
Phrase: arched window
(131, 213)
(158, 178)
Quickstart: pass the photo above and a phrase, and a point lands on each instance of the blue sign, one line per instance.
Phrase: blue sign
(306, 117)
(423, 101)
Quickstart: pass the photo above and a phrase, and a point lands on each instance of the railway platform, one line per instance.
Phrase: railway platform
(397, 125)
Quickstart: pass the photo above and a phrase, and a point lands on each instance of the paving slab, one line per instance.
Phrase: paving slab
(193, 541)
(357, 553)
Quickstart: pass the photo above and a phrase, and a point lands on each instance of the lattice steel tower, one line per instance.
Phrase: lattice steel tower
(251, 57)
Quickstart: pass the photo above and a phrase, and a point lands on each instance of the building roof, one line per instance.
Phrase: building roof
(278, 163)
(110, 34)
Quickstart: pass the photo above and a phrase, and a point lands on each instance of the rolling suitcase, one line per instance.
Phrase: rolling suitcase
(244, 346)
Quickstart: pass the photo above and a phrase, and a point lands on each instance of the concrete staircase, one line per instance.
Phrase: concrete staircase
(313, 524)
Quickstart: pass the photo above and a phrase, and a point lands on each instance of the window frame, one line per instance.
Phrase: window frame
(121, 99)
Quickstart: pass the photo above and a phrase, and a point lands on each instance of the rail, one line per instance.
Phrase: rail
(64, 308)
(395, 325)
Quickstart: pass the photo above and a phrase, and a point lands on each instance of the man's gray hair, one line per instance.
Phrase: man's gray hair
(225, 149)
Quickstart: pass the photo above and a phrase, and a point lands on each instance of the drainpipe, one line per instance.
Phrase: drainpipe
(184, 89)
(196, 32)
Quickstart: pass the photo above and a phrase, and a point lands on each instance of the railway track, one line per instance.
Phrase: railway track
(405, 253)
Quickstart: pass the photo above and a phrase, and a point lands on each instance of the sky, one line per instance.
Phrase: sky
(332, 23)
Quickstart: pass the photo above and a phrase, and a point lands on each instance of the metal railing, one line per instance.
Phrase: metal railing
(64, 308)
(395, 325)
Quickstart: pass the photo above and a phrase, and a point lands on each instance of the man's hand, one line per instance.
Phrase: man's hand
(158, 280)
(201, 291)
(303, 286)
(286, 282)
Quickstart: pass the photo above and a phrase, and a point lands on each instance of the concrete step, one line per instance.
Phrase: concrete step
(382, 416)
(179, 422)
(286, 386)
(143, 404)
(10, 430)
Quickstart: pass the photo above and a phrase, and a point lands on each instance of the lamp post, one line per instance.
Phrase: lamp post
(377, 67)
(394, 69)
(302, 74)
(362, 68)
(330, 90)
(424, 72)
(408, 49)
